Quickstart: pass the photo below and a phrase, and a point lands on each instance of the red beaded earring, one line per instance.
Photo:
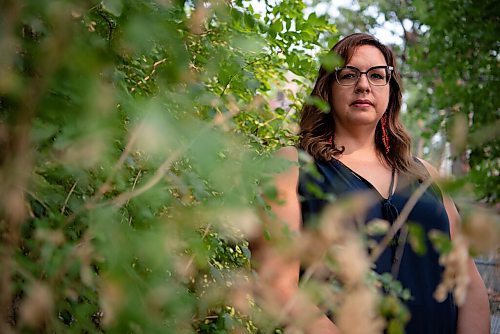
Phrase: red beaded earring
(385, 136)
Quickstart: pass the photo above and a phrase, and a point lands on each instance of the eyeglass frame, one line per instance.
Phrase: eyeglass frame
(388, 68)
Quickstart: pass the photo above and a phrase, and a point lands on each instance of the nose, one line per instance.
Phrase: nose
(362, 85)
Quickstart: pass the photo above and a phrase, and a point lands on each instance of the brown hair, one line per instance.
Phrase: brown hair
(317, 128)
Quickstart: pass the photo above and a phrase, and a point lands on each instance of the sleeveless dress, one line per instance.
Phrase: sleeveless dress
(419, 273)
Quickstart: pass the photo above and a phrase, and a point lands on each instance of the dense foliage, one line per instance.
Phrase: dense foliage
(134, 140)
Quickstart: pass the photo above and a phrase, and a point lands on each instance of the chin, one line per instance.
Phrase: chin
(364, 118)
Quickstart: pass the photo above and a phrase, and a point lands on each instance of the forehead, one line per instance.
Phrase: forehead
(366, 56)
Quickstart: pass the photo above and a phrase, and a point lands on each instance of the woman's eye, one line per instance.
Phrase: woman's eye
(377, 76)
(348, 76)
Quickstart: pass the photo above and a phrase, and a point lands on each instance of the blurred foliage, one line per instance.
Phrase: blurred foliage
(134, 139)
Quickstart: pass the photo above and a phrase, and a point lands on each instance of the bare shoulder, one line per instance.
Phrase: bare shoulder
(288, 153)
(430, 168)
(287, 180)
(291, 154)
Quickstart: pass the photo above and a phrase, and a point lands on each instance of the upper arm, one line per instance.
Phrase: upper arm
(287, 207)
(273, 266)
(284, 213)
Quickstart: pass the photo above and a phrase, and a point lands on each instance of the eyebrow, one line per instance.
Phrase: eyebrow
(369, 68)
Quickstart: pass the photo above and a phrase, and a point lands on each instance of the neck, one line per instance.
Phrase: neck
(359, 143)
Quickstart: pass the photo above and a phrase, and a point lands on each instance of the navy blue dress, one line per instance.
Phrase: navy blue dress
(419, 273)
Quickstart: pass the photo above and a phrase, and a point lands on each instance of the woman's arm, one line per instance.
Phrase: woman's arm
(278, 274)
(474, 314)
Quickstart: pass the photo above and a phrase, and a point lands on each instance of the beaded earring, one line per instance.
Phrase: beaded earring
(385, 136)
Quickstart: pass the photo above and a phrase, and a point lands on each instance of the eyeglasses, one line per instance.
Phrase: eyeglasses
(377, 75)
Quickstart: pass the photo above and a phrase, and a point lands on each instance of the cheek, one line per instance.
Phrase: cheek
(384, 100)
(338, 98)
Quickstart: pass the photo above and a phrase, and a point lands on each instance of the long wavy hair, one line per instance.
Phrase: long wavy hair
(317, 135)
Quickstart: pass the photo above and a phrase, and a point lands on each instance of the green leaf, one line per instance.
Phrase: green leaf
(416, 237)
(440, 241)
(395, 327)
(276, 27)
(269, 191)
(321, 104)
(330, 61)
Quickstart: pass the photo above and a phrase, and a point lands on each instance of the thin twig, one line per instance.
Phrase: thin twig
(191, 259)
(111, 26)
(155, 65)
(133, 187)
(235, 74)
(310, 272)
(157, 176)
(398, 223)
(105, 186)
(69, 195)
(135, 183)
(69, 259)
(38, 199)
(126, 151)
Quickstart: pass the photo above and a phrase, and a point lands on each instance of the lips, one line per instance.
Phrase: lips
(361, 103)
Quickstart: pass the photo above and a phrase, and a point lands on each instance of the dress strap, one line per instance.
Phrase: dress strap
(391, 187)
(399, 240)
(398, 243)
(390, 212)
(399, 250)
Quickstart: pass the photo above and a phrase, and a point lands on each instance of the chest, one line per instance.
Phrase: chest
(376, 174)
(333, 177)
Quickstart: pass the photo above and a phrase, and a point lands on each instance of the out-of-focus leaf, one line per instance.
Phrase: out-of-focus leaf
(441, 241)
(321, 104)
(114, 7)
(417, 238)
(330, 61)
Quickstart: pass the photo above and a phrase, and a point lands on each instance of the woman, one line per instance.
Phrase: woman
(361, 145)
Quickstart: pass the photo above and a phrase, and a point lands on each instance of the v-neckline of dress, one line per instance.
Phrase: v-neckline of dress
(392, 188)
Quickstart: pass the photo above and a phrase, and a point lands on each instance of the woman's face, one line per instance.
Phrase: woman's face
(362, 103)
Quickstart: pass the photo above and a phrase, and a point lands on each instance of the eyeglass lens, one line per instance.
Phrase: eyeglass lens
(377, 76)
